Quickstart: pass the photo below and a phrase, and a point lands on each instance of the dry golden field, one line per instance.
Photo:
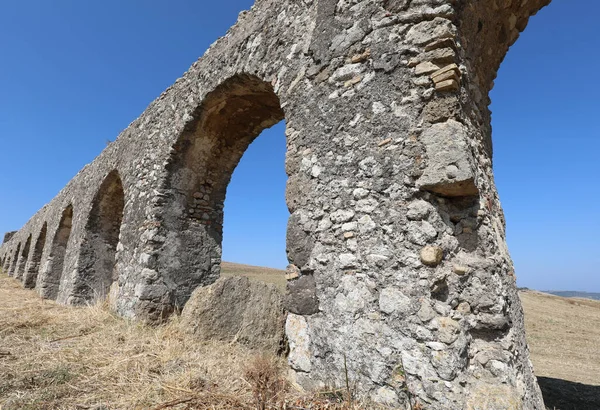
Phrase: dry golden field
(268, 275)
(563, 336)
(57, 357)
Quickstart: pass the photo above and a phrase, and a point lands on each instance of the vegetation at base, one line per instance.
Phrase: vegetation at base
(54, 357)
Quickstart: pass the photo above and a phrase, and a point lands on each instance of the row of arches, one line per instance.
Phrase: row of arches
(199, 169)
(44, 269)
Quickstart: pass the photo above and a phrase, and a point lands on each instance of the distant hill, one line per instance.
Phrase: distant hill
(574, 294)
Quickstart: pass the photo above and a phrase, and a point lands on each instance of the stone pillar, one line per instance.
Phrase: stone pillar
(401, 280)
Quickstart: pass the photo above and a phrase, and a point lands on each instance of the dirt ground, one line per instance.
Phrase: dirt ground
(564, 341)
(563, 336)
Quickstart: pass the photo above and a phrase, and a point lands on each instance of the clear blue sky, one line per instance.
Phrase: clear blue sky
(73, 74)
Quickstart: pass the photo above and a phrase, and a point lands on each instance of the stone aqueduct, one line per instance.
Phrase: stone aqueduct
(396, 232)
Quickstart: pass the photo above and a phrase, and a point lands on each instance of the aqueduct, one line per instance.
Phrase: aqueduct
(396, 230)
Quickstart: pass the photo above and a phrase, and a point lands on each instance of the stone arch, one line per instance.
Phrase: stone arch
(23, 259)
(13, 267)
(53, 270)
(98, 253)
(202, 162)
(31, 274)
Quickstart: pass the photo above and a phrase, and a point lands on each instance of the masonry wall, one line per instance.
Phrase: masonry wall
(399, 270)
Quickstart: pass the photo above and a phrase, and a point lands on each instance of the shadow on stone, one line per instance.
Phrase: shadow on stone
(565, 395)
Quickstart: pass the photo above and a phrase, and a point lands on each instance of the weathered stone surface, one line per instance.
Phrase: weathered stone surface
(346, 76)
(299, 242)
(427, 31)
(8, 235)
(301, 296)
(426, 67)
(450, 68)
(237, 309)
(296, 329)
(292, 272)
(447, 85)
(450, 170)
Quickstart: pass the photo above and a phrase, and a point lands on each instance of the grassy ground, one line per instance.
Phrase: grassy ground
(56, 357)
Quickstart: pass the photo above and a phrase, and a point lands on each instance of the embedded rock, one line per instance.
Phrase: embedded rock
(237, 309)
(301, 296)
(450, 171)
(432, 255)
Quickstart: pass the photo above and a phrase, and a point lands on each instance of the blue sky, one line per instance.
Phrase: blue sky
(73, 74)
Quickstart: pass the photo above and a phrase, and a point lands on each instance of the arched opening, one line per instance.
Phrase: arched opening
(256, 214)
(23, 260)
(33, 268)
(203, 160)
(53, 271)
(98, 253)
(15, 261)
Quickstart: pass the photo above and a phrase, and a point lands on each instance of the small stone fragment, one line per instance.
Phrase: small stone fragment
(431, 30)
(448, 75)
(349, 235)
(347, 260)
(448, 85)
(384, 142)
(292, 272)
(418, 210)
(463, 308)
(443, 43)
(452, 171)
(460, 270)
(438, 56)
(359, 58)
(425, 313)
(449, 67)
(432, 255)
(448, 329)
(426, 67)
(353, 81)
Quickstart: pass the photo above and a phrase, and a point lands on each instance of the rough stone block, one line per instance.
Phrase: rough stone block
(237, 309)
(426, 67)
(432, 255)
(301, 296)
(447, 86)
(450, 163)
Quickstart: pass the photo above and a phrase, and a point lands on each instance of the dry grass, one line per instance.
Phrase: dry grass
(57, 357)
(563, 336)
